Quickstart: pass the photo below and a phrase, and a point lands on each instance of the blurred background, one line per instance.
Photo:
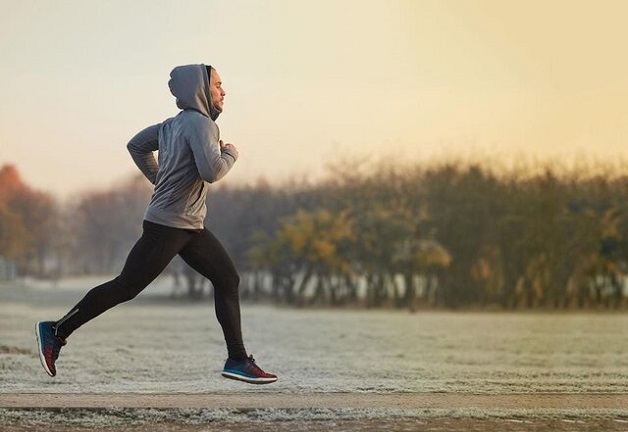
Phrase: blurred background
(398, 154)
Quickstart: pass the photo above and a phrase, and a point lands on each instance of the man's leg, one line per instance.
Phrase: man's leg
(148, 258)
(150, 255)
(205, 254)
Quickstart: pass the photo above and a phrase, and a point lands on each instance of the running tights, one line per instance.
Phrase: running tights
(157, 246)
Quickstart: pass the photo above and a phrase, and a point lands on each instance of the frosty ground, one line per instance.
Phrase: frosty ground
(153, 346)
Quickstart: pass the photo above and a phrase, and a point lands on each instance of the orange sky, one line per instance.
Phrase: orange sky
(311, 82)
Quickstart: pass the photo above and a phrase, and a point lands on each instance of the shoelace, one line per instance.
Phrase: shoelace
(256, 367)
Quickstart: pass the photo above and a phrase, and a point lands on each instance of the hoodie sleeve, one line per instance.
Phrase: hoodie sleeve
(212, 162)
(141, 148)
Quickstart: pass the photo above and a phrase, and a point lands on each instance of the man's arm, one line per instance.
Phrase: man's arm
(213, 158)
(141, 148)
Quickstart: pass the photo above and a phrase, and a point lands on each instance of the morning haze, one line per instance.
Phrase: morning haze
(310, 83)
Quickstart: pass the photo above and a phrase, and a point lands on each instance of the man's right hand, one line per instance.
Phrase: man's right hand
(228, 146)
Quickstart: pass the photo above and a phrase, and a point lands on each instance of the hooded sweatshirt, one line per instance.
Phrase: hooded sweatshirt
(189, 153)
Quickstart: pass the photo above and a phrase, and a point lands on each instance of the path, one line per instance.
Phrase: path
(261, 400)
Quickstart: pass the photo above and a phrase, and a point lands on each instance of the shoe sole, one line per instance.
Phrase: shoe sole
(247, 379)
(42, 358)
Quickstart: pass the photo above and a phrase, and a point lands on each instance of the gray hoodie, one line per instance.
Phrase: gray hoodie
(189, 153)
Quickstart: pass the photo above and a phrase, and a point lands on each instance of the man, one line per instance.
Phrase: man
(191, 155)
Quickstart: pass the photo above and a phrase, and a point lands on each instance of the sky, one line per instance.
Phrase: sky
(313, 83)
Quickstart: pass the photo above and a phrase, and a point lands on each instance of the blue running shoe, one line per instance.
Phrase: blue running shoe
(48, 345)
(246, 370)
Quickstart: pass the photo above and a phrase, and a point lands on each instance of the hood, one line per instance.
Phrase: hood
(190, 85)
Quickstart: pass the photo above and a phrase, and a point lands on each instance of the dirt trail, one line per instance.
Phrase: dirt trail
(545, 412)
(261, 400)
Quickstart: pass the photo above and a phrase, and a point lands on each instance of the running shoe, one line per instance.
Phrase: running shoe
(246, 370)
(48, 345)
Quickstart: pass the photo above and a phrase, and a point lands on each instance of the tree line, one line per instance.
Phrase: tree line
(447, 235)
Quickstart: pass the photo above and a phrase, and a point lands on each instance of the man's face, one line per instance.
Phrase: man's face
(215, 90)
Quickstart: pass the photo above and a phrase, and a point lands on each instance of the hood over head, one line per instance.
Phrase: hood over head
(190, 85)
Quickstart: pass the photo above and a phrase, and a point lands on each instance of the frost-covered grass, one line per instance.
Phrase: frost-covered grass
(151, 345)
(194, 416)
(126, 418)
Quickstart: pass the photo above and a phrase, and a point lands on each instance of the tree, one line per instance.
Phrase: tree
(13, 235)
(425, 259)
(27, 221)
(308, 246)
(107, 224)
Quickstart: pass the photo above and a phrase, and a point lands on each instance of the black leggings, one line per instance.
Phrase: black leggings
(157, 246)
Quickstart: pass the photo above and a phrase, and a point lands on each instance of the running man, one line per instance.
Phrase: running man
(191, 155)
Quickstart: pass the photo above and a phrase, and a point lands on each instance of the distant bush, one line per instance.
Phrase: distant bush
(452, 234)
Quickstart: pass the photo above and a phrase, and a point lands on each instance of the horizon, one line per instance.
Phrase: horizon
(520, 168)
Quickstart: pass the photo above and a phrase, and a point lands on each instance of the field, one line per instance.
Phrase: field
(158, 361)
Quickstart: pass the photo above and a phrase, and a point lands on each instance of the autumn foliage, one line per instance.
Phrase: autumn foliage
(27, 221)
(449, 235)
